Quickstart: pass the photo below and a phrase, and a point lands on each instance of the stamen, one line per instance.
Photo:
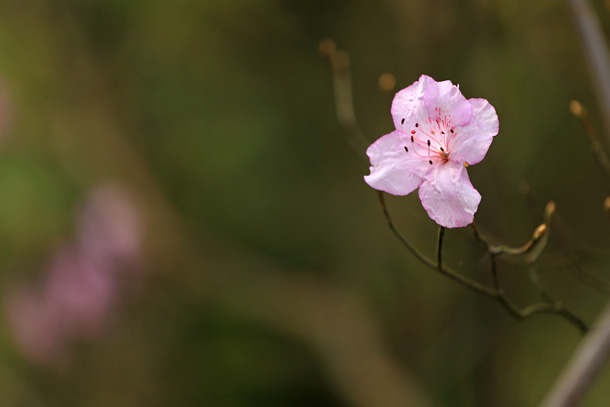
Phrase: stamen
(431, 136)
(412, 139)
(428, 143)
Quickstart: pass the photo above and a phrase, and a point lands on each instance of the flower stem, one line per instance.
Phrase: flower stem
(439, 250)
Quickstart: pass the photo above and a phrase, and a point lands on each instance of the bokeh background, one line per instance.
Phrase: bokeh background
(183, 221)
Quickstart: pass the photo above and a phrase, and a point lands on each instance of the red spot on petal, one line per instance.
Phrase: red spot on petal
(412, 131)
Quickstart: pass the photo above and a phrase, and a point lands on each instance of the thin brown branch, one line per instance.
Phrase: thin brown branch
(532, 248)
(550, 306)
(496, 292)
(598, 151)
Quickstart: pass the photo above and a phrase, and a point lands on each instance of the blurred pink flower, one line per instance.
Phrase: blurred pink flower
(6, 110)
(79, 290)
(109, 227)
(438, 134)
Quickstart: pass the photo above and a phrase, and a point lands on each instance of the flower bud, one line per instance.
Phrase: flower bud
(327, 47)
(387, 82)
(577, 109)
(539, 232)
(549, 211)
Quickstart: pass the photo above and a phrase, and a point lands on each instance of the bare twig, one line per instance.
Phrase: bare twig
(596, 53)
(599, 153)
(550, 307)
(344, 104)
(569, 249)
(530, 250)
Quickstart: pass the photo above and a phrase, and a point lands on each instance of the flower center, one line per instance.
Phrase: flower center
(430, 140)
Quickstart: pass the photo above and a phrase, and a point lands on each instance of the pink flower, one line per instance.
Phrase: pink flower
(438, 134)
(78, 292)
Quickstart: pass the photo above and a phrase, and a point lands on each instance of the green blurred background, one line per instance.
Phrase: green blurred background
(270, 276)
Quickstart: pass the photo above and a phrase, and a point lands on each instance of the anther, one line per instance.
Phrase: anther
(416, 124)
(428, 143)
(451, 130)
(412, 139)
(442, 149)
(430, 161)
(402, 121)
(406, 149)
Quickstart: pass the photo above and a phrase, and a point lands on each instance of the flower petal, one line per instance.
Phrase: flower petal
(408, 103)
(472, 141)
(445, 102)
(448, 196)
(393, 170)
